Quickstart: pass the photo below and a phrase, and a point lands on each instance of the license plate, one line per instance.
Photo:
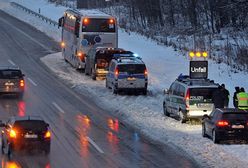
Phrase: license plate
(238, 126)
(131, 78)
(31, 136)
(203, 105)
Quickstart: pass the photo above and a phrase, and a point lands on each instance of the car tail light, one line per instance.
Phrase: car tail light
(12, 134)
(116, 72)
(22, 83)
(81, 56)
(146, 72)
(187, 97)
(48, 134)
(111, 21)
(222, 123)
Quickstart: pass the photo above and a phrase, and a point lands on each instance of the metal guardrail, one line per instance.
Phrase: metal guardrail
(46, 19)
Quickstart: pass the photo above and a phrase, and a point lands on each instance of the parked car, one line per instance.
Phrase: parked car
(189, 98)
(25, 133)
(12, 81)
(226, 124)
(127, 73)
(98, 59)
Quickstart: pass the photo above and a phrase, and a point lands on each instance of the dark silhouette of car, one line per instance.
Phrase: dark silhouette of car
(12, 81)
(226, 124)
(27, 133)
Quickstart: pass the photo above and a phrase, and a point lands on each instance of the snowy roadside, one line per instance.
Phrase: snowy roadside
(145, 113)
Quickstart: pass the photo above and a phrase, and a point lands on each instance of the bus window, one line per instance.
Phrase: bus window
(98, 25)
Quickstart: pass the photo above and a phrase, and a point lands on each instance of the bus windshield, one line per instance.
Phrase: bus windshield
(98, 25)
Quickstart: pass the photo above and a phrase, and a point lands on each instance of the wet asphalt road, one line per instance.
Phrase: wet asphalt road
(83, 134)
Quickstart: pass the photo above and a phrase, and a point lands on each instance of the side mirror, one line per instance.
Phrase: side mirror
(47, 125)
(2, 124)
(23, 75)
(61, 21)
(166, 91)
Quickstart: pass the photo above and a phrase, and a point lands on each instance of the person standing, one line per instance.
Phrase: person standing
(242, 99)
(235, 99)
(218, 98)
(226, 95)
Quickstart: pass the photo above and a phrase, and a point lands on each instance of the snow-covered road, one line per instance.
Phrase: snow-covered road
(145, 112)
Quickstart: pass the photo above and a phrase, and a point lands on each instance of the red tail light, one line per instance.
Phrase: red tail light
(48, 134)
(22, 83)
(222, 123)
(116, 72)
(187, 97)
(146, 72)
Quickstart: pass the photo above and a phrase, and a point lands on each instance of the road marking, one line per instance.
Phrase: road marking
(28, 36)
(95, 145)
(31, 81)
(59, 108)
(11, 62)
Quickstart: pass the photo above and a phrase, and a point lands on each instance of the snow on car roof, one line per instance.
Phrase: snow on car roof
(93, 12)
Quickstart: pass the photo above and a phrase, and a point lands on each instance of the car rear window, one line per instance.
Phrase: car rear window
(10, 74)
(132, 68)
(34, 125)
(201, 94)
(237, 115)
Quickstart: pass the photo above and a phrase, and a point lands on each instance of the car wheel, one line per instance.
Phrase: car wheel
(9, 151)
(115, 89)
(144, 92)
(20, 95)
(215, 137)
(47, 150)
(204, 131)
(93, 76)
(166, 113)
(182, 117)
(2, 148)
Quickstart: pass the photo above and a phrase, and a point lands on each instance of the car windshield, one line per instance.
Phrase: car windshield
(10, 74)
(201, 95)
(132, 68)
(34, 125)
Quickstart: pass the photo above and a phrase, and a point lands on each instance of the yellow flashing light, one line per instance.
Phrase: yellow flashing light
(205, 54)
(198, 54)
(191, 54)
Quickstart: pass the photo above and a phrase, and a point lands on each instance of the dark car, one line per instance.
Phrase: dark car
(28, 132)
(226, 124)
(12, 81)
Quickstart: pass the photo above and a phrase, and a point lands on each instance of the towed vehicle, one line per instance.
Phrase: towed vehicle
(98, 59)
(226, 124)
(25, 133)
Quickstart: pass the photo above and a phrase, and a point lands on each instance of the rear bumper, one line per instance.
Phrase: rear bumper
(31, 144)
(234, 134)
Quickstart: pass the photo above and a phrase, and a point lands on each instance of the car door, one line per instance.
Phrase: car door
(210, 123)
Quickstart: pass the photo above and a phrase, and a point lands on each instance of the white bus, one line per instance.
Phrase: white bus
(82, 30)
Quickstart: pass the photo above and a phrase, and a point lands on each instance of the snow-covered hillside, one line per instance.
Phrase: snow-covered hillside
(145, 112)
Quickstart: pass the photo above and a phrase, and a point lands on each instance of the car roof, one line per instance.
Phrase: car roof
(194, 83)
(128, 60)
(9, 68)
(25, 118)
(232, 110)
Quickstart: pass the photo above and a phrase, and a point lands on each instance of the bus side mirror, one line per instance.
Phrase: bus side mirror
(61, 22)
